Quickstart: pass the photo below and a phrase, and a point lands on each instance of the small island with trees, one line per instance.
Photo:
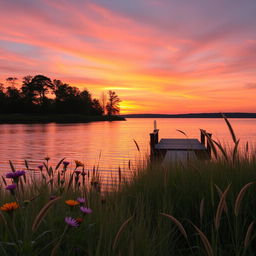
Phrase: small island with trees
(40, 99)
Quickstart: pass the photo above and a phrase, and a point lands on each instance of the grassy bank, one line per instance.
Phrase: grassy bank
(201, 208)
(205, 208)
(67, 118)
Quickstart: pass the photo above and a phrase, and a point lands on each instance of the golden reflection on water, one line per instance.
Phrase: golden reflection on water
(107, 144)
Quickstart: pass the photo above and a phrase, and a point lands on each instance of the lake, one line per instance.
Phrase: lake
(109, 145)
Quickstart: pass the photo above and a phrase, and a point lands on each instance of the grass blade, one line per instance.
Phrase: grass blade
(235, 151)
(220, 208)
(178, 224)
(223, 151)
(220, 195)
(181, 132)
(59, 163)
(247, 147)
(210, 141)
(137, 145)
(119, 174)
(206, 243)
(248, 235)
(43, 213)
(230, 128)
(240, 197)
(2, 218)
(26, 164)
(201, 211)
(121, 229)
(12, 166)
(4, 181)
(70, 181)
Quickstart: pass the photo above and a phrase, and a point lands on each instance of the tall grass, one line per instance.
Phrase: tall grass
(202, 208)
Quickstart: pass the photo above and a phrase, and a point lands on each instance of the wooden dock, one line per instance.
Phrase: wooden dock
(179, 150)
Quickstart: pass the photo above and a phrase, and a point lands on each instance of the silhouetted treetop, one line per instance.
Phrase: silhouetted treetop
(113, 103)
(41, 94)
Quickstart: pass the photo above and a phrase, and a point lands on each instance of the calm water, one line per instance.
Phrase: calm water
(107, 144)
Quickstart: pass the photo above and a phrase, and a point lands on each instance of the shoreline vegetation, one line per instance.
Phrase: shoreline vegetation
(201, 208)
(40, 99)
(54, 118)
(194, 115)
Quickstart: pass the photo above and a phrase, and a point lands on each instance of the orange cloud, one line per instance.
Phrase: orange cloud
(155, 64)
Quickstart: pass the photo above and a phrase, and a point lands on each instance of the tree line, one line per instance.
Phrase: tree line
(41, 95)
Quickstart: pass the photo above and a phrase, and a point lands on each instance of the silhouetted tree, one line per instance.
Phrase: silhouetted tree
(32, 97)
(97, 109)
(13, 99)
(12, 81)
(42, 86)
(29, 94)
(113, 103)
(3, 107)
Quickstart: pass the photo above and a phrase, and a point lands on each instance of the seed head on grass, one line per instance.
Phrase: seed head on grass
(240, 197)
(248, 235)
(220, 208)
(204, 239)
(40, 216)
(178, 224)
(120, 231)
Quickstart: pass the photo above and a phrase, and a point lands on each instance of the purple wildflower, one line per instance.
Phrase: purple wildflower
(71, 222)
(11, 187)
(81, 200)
(85, 210)
(40, 167)
(14, 175)
(66, 163)
(77, 172)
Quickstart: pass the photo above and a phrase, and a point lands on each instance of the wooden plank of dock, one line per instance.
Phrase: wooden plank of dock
(179, 144)
(181, 156)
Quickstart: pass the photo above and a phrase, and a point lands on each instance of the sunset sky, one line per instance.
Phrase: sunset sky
(160, 56)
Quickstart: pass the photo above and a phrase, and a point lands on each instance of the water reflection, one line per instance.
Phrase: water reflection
(107, 144)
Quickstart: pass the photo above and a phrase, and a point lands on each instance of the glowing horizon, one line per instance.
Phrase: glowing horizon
(159, 56)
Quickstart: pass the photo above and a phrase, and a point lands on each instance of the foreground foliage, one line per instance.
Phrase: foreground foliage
(200, 209)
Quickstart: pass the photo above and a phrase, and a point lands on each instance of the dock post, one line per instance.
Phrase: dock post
(208, 147)
(153, 142)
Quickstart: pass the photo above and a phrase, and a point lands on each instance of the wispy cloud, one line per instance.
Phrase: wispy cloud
(157, 55)
(250, 86)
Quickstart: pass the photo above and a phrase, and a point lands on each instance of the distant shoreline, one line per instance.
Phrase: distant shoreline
(196, 115)
(54, 118)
